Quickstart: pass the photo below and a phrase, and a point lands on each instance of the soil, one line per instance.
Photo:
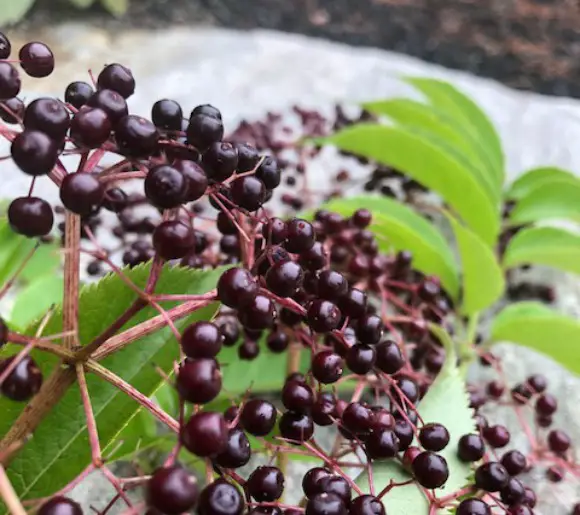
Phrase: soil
(526, 44)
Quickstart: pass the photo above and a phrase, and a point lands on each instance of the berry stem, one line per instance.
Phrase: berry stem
(135, 394)
(8, 284)
(9, 495)
(71, 279)
(90, 417)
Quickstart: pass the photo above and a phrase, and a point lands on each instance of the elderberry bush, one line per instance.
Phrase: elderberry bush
(364, 310)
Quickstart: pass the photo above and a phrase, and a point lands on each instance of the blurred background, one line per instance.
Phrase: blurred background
(526, 44)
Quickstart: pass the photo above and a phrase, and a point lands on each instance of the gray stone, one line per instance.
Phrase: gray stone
(246, 74)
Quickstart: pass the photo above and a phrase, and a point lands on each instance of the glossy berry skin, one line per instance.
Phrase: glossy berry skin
(82, 193)
(220, 161)
(473, 506)
(325, 504)
(12, 110)
(23, 382)
(369, 329)
(236, 286)
(514, 462)
(90, 127)
(248, 157)
(496, 436)
(470, 448)
(353, 304)
(323, 316)
(381, 444)
(357, 418)
(248, 192)
(111, 102)
(257, 313)
(201, 340)
(36, 59)
(258, 417)
(434, 437)
(327, 367)
(173, 239)
(297, 396)
(558, 441)
(78, 93)
(297, 427)
(266, 484)
(301, 236)
(315, 258)
(10, 82)
(47, 115)
(366, 505)
(546, 405)
(237, 452)
(199, 380)
(172, 490)
(491, 477)
(360, 358)
(284, 278)
(389, 357)
(5, 46)
(136, 136)
(311, 479)
(167, 115)
(220, 498)
(269, 173)
(203, 131)
(336, 485)
(118, 78)
(324, 409)
(196, 178)
(60, 505)
(165, 186)
(430, 470)
(332, 285)
(205, 434)
(513, 493)
(30, 216)
(34, 152)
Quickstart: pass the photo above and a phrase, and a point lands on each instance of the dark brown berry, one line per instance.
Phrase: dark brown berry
(258, 417)
(430, 470)
(199, 380)
(30, 216)
(82, 193)
(205, 434)
(118, 78)
(173, 239)
(36, 59)
(172, 490)
(24, 381)
(236, 287)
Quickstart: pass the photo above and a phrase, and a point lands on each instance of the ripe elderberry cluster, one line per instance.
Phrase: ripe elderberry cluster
(321, 288)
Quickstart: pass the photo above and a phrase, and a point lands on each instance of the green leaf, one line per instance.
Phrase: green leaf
(82, 4)
(411, 113)
(13, 249)
(59, 450)
(12, 11)
(45, 261)
(35, 299)
(467, 113)
(542, 329)
(398, 227)
(483, 280)
(116, 7)
(547, 246)
(422, 158)
(447, 403)
(556, 199)
(538, 177)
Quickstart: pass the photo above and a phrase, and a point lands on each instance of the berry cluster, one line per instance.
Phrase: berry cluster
(323, 288)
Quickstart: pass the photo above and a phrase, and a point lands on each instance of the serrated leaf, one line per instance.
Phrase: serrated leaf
(447, 403)
(537, 178)
(482, 277)
(116, 7)
(547, 246)
(12, 11)
(398, 227)
(35, 299)
(423, 159)
(465, 111)
(82, 4)
(557, 199)
(411, 113)
(59, 450)
(542, 329)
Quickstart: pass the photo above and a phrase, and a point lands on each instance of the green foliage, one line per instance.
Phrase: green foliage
(446, 402)
(558, 199)
(35, 299)
(483, 281)
(536, 178)
(53, 458)
(429, 161)
(13, 11)
(399, 227)
(542, 329)
(547, 246)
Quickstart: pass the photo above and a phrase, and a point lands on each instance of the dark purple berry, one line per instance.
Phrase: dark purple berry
(78, 93)
(369, 329)
(111, 102)
(196, 179)
(23, 382)
(470, 448)
(434, 437)
(513, 493)
(301, 236)
(266, 484)
(82, 193)
(202, 340)
(258, 417)
(257, 313)
(90, 127)
(118, 78)
(10, 82)
(514, 462)
(389, 357)
(325, 504)
(34, 152)
(558, 441)
(172, 490)
(546, 405)
(238, 451)
(30, 216)
(36, 59)
(220, 498)
(297, 396)
(204, 130)
(236, 287)
(473, 506)
(284, 278)
(136, 136)
(323, 316)
(173, 239)
(269, 173)
(5, 46)
(167, 115)
(324, 409)
(430, 470)
(382, 444)
(47, 115)
(248, 192)
(205, 434)
(297, 427)
(12, 110)
(360, 358)
(491, 477)
(496, 436)
(165, 186)
(327, 367)
(199, 380)
(60, 505)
